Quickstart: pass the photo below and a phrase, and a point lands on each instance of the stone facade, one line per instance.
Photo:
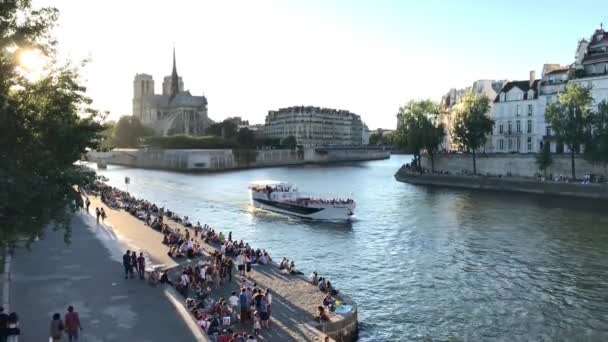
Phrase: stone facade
(524, 103)
(515, 111)
(175, 111)
(514, 164)
(450, 101)
(314, 126)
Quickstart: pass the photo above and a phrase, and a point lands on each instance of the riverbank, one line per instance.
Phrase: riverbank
(508, 184)
(87, 273)
(295, 299)
(233, 159)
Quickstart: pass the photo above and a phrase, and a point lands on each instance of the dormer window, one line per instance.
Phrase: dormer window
(530, 94)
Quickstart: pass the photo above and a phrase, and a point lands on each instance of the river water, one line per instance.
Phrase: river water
(421, 263)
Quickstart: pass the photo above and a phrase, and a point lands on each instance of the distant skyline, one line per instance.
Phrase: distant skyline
(368, 57)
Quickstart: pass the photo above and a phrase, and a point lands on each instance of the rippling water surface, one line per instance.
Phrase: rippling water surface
(422, 264)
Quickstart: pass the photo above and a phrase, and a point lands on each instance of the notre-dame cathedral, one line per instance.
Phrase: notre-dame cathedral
(175, 111)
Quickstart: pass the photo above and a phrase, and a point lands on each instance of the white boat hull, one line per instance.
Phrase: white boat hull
(329, 212)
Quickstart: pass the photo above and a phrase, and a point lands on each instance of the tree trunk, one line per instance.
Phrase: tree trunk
(419, 163)
(572, 162)
(432, 162)
(474, 163)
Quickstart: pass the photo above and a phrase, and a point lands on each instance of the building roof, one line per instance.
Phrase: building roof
(595, 58)
(557, 71)
(183, 99)
(522, 85)
(599, 37)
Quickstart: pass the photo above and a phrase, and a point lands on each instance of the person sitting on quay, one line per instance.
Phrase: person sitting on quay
(164, 278)
(264, 259)
(328, 302)
(314, 278)
(292, 269)
(322, 286)
(283, 264)
(330, 289)
(322, 314)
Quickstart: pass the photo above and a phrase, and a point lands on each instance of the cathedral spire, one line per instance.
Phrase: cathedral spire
(174, 78)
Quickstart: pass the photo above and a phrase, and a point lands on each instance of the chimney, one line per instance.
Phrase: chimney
(532, 77)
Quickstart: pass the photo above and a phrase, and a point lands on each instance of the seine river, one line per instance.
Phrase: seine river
(422, 264)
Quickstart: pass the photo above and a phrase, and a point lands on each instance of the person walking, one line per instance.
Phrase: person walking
(133, 263)
(240, 263)
(72, 324)
(88, 204)
(103, 215)
(244, 303)
(56, 328)
(97, 214)
(126, 263)
(141, 265)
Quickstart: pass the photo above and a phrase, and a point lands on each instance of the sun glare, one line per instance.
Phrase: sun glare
(31, 60)
(31, 63)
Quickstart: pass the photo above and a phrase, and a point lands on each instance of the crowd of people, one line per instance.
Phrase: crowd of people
(196, 281)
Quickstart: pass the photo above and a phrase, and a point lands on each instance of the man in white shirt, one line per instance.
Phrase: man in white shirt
(185, 280)
(240, 263)
(234, 303)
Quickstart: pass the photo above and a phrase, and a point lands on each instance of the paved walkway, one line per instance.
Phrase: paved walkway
(88, 275)
(294, 300)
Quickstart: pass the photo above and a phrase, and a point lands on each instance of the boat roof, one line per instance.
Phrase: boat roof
(268, 182)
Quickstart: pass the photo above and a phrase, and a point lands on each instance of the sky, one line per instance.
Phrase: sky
(370, 57)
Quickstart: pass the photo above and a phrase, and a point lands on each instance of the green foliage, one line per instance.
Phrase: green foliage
(419, 128)
(570, 118)
(375, 139)
(245, 138)
(596, 149)
(128, 132)
(379, 139)
(290, 142)
(187, 142)
(225, 129)
(268, 142)
(472, 125)
(106, 143)
(45, 126)
(544, 159)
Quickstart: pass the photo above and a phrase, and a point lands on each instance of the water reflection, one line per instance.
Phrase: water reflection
(422, 263)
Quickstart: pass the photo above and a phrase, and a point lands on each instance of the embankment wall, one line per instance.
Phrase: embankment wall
(532, 186)
(227, 159)
(522, 165)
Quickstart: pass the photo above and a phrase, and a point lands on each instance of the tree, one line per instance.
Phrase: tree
(472, 125)
(434, 133)
(225, 129)
(128, 132)
(544, 159)
(418, 129)
(246, 138)
(596, 149)
(290, 142)
(46, 124)
(375, 139)
(106, 136)
(570, 118)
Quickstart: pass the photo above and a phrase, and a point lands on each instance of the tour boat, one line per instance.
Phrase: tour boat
(284, 198)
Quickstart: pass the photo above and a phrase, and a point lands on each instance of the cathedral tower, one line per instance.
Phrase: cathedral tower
(143, 86)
